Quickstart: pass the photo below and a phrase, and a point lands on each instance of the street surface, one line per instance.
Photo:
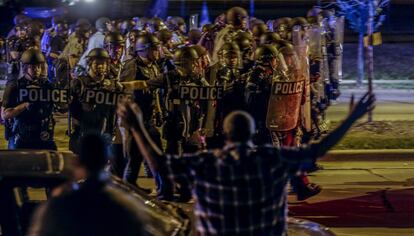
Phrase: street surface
(362, 198)
(371, 197)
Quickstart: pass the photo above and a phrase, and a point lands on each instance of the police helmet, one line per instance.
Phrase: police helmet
(235, 15)
(244, 40)
(265, 53)
(164, 35)
(157, 24)
(259, 29)
(270, 38)
(185, 55)
(287, 49)
(33, 57)
(146, 41)
(229, 48)
(114, 38)
(299, 21)
(98, 53)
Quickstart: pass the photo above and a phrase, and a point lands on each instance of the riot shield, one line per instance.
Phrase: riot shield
(194, 21)
(300, 38)
(286, 96)
(317, 72)
(339, 40)
(315, 38)
(324, 49)
(284, 104)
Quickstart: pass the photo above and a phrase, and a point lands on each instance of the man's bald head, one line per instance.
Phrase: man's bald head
(239, 126)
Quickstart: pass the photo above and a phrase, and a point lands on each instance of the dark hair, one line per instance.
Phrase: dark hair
(93, 153)
(239, 126)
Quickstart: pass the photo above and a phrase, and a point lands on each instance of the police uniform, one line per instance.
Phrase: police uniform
(258, 90)
(88, 116)
(33, 128)
(233, 82)
(149, 73)
(257, 97)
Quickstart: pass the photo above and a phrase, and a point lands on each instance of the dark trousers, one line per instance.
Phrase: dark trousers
(135, 159)
(118, 161)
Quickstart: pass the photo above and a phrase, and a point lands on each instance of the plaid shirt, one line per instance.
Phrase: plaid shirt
(241, 189)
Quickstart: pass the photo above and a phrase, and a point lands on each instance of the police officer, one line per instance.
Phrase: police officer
(246, 45)
(184, 116)
(258, 30)
(33, 123)
(282, 27)
(89, 115)
(143, 75)
(237, 19)
(157, 24)
(258, 88)
(283, 116)
(231, 79)
(114, 43)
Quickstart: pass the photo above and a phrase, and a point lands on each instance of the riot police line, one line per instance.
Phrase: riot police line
(285, 72)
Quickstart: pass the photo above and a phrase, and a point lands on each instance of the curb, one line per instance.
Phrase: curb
(369, 155)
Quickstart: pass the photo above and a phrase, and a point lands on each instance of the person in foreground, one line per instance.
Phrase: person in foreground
(240, 189)
(92, 207)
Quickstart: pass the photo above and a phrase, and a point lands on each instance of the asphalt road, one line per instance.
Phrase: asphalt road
(362, 198)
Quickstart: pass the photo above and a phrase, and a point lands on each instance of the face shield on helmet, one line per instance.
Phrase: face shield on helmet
(148, 47)
(115, 51)
(98, 63)
(188, 59)
(232, 59)
(114, 44)
(33, 70)
(154, 53)
(291, 61)
(98, 66)
(281, 64)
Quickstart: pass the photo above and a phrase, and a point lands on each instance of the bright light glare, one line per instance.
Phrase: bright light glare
(89, 0)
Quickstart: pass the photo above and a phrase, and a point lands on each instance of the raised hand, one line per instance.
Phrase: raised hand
(364, 105)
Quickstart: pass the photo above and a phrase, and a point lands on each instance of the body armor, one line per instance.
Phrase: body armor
(35, 125)
(88, 116)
